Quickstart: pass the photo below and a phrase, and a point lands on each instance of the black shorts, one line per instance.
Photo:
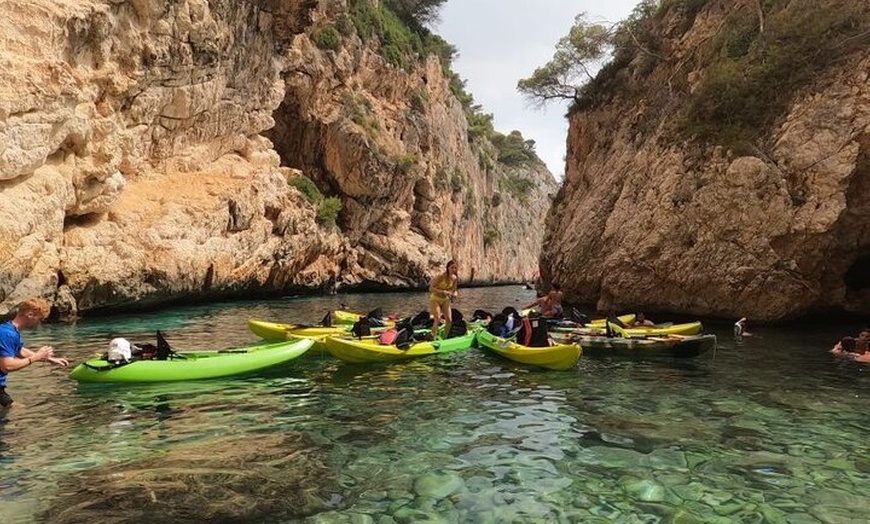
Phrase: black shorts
(5, 399)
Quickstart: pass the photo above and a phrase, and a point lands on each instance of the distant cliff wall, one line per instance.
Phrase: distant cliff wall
(134, 169)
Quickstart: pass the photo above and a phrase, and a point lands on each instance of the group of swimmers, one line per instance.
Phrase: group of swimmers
(854, 348)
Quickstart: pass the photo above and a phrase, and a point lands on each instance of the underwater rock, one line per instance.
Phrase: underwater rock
(226, 479)
(437, 484)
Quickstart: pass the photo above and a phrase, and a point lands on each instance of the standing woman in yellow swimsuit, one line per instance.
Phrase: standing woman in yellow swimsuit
(441, 290)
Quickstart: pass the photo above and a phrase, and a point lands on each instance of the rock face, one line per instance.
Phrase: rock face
(774, 231)
(134, 166)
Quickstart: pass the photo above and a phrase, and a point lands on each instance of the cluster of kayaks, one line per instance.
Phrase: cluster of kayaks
(286, 342)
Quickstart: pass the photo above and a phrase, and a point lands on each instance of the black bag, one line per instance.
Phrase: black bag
(480, 314)
(498, 325)
(404, 335)
(508, 311)
(457, 329)
(361, 328)
(455, 314)
(145, 351)
(421, 320)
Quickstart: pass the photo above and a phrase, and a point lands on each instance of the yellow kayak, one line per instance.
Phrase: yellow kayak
(275, 331)
(599, 322)
(559, 357)
(369, 350)
(349, 317)
(270, 331)
(685, 329)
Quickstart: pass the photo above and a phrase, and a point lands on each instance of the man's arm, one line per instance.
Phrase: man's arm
(26, 358)
(8, 364)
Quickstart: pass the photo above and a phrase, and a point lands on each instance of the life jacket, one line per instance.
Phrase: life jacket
(404, 337)
(388, 337)
(533, 333)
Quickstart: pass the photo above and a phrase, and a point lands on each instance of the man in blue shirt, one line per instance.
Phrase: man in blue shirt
(13, 354)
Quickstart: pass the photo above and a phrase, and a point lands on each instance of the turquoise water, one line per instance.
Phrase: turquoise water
(770, 429)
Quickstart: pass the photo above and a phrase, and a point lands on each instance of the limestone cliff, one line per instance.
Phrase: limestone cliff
(769, 220)
(134, 166)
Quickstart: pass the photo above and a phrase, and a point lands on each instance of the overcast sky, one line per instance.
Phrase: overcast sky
(502, 41)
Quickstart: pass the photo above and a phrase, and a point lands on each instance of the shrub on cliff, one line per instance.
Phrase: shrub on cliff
(490, 236)
(517, 186)
(326, 208)
(326, 38)
(307, 187)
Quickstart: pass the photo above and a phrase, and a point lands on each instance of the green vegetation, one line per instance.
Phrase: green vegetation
(327, 208)
(577, 56)
(327, 38)
(419, 100)
(307, 187)
(442, 181)
(752, 65)
(513, 149)
(327, 211)
(754, 74)
(517, 185)
(457, 181)
(479, 123)
(416, 13)
(406, 162)
(399, 26)
(358, 109)
(490, 236)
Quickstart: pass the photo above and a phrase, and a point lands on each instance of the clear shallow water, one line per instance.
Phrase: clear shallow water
(771, 429)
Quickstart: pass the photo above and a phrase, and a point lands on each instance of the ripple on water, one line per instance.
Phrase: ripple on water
(770, 430)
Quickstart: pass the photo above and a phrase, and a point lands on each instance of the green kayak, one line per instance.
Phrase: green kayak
(193, 365)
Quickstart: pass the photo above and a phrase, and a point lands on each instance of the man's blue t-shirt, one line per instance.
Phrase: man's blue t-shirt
(10, 345)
